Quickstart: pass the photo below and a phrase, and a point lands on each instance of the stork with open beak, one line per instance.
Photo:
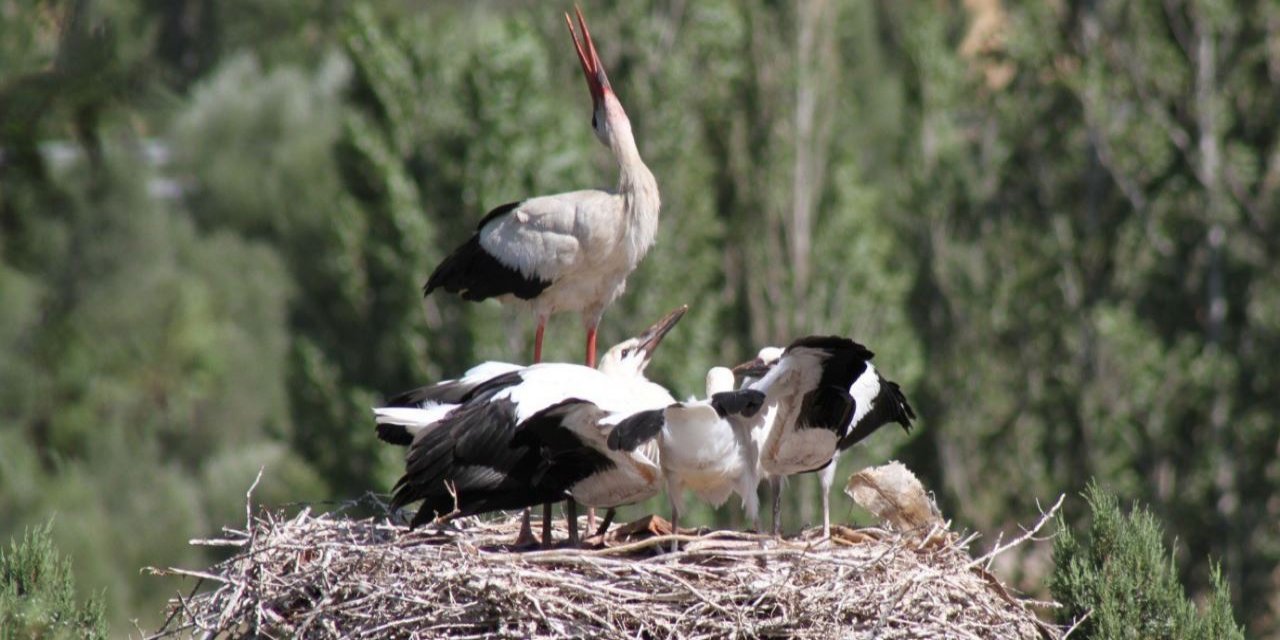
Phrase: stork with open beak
(829, 418)
(465, 459)
(570, 251)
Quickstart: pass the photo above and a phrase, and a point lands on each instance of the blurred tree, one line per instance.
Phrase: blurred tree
(1092, 261)
(134, 347)
(37, 593)
(1121, 582)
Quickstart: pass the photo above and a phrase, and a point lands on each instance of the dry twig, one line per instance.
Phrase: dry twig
(330, 576)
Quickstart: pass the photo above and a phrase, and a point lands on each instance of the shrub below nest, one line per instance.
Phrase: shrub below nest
(326, 576)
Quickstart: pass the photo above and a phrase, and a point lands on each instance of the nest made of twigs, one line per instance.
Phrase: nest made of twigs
(329, 576)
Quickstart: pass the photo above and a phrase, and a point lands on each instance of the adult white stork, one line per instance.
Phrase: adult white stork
(622, 458)
(788, 446)
(570, 251)
(467, 449)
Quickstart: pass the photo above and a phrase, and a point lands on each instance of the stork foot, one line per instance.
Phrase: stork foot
(525, 538)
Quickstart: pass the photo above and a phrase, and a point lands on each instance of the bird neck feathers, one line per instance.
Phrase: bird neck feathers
(640, 204)
(637, 187)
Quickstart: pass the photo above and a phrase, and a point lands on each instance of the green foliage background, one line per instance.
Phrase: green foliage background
(37, 593)
(1055, 223)
(1119, 581)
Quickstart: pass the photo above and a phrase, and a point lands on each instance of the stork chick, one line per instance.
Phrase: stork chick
(832, 416)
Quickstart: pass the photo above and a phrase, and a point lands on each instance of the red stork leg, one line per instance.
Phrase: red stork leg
(591, 362)
(537, 340)
(525, 537)
(591, 347)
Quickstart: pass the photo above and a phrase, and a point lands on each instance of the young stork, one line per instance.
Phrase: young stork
(707, 448)
(570, 251)
(405, 415)
(875, 403)
(468, 449)
(623, 458)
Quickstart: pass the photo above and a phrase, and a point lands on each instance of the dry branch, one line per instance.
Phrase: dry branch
(329, 576)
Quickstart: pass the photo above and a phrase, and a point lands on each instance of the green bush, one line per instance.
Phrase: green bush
(1126, 581)
(37, 593)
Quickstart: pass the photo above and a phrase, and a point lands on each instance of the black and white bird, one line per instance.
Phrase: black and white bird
(577, 433)
(791, 446)
(706, 447)
(631, 456)
(570, 251)
(461, 454)
(404, 416)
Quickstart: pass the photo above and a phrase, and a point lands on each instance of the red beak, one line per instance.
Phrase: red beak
(597, 81)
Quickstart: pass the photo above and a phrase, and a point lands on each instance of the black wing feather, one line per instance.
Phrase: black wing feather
(565, 459)
(453, 391)
(833, 344)
(743, 402)
(476, 274)
(890, 405)
(472, 453)
(395, 434)
(829, 405)
(829, 408)
(636, 429)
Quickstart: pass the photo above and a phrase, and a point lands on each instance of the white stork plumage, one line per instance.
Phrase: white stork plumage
(570, 251)
(577, 433)
(468, 447)
(798, 445)
(631, 455)
(707, 447)
(405, 415)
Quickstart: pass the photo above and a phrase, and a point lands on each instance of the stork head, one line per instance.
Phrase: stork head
(763, 362)
(608, 120)
(719, 380)
(631, 356)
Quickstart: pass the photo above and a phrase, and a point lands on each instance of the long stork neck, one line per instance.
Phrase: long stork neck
(638, 186)
(639, 191)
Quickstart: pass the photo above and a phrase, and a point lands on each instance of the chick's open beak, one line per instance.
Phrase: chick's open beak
(652, 337)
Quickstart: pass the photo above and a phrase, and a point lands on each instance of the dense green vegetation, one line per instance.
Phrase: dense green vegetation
(1119, 581)
(1055, 223)
(37, 593)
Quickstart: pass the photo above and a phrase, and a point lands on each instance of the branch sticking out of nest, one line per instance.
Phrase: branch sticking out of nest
(329, 576)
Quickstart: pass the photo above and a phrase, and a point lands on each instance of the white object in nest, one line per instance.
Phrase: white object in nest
(894, 495)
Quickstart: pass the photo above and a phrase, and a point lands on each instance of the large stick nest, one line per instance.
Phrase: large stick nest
(329, 576)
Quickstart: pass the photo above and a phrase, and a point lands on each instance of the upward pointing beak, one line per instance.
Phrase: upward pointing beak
(652, 336)
(597, 81)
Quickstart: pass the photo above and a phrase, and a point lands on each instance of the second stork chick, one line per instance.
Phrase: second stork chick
(832, 415)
